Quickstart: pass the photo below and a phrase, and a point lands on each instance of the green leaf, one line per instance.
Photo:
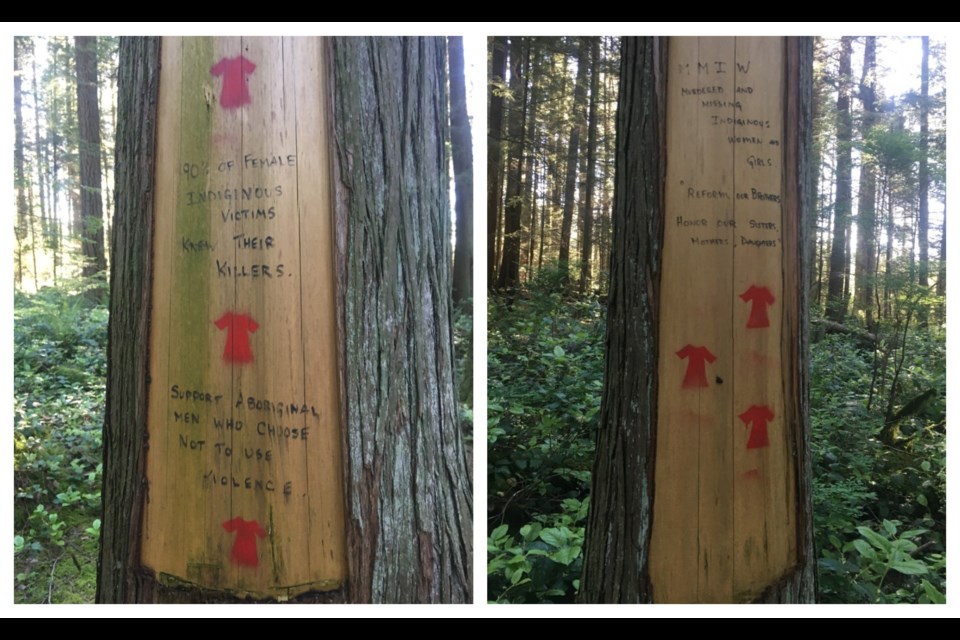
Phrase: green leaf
(500, 532)
(874, 538)
(555, 537)
(558, 352)
(889, 527)
(565, 555)
(909, 567)
(865, 549)
(531, 532)
(913, 533)
(933, 593)
(922, 499)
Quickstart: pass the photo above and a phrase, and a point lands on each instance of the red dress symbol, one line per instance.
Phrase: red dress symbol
(761, 298)
(234, 71)
(696, 368)
(244, 551)
(237, 348)
(758, 415)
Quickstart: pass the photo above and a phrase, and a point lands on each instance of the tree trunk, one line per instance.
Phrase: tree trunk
(888, 256)
(866, 210)
(40, 152)
(620, 525)
(573, 150)
(617, 537)
(461, 143)
(508, 276)
(88, 116)
(407, 492)
(605, 202)
(498, 73)
(20, 174)
(923, 176)
(532, 142)
(119, 578)
(412, 543)
(586, 244)
(836, 302)
(942, 272)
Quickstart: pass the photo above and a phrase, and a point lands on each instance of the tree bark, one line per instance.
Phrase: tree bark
(88, 116)
(461, 143)
(836, 302)
(119, 578)
(617, 538)
(409, 503)
(408, 495)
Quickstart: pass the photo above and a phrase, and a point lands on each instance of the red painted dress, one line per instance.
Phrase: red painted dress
(234, 71)
(238, 327)
(758, 415)
(696, 366)
(244, 551)
(761, 299)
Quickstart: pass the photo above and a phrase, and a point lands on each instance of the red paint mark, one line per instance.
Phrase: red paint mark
(234, 71)
(696, 375)
(758, 415)
(761, 298)
(237, 348)
(244, 552)
(753, 474)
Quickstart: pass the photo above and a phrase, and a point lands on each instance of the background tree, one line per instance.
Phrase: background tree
(508, 275)
(88, 115)
(578, 118)
(866, 266)
(498, 74)
(836, 292)
(586, 251)
(461, 142)
(408, 492)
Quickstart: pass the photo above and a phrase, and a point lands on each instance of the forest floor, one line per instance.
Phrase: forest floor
(60, 339)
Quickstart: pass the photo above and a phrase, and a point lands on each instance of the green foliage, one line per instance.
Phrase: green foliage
(545, 370)
(544, 564)
(886, 566)
(545, 374)
(59, 373)
(463, 351)
(879, 509)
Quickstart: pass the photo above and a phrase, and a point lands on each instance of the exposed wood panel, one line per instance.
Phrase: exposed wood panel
(244, 468)
(724, 525)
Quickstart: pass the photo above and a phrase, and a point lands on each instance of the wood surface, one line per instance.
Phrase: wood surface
(244, 227)
(724, 508)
